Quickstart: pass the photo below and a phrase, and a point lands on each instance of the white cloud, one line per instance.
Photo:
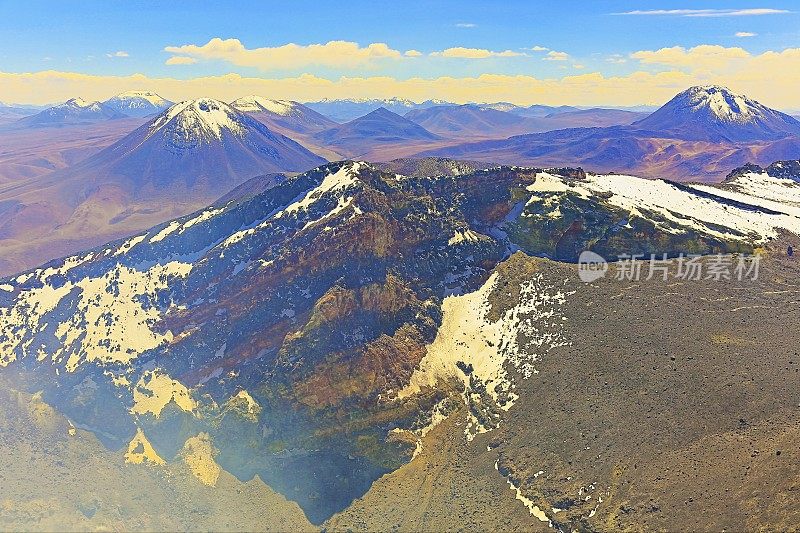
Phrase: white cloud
(119, 53)
(412, 53)
(583, 89)
(180, 60)
(337, 54)
(745, 34)
(538, 48)
(617, 59)
(552, 55)
(466, 25)
(707, 12)
(461, 52)
(703, 58)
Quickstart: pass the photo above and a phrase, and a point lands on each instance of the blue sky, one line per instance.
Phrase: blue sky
(76, 36)
(591, 36)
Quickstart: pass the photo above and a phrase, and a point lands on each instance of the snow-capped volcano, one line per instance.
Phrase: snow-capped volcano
(73, 111)
(714, 113)
(138, 103)
(285, 116)
(200, 145)
(185, 158)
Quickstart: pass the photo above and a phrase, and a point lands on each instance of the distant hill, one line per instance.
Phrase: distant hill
(11, 113)
(469, 120)
(138, 103)
(199, 147)
(378, 128)
(539, 110)
(285, 116)
(72, 112)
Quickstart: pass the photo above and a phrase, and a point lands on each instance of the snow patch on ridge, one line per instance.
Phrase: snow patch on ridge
(155, 390)
(106, 319)
(140, 451)
(683, 209)
(778, 194)
(198, 454)
(255, 104)
(342, 179)
(481, 353)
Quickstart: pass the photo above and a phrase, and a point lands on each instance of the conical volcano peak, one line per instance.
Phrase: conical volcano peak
(715, 113)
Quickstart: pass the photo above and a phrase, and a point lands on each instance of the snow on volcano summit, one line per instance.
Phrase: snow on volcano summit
(714, 113)
(204, 118)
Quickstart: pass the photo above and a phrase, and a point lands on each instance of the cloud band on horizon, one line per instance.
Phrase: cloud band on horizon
(706, 64)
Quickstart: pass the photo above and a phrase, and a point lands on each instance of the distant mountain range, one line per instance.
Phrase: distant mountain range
(472, 120)
(188, 156)
(469, 120)
(348, 109)
(77, 111)
(535, 110)
(698, 135)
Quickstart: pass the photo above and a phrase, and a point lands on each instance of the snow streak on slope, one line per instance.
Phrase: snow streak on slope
(254, 104)
(138, 103)
(344, 179)
(488, 355)
(674, 208)
(146, 96)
